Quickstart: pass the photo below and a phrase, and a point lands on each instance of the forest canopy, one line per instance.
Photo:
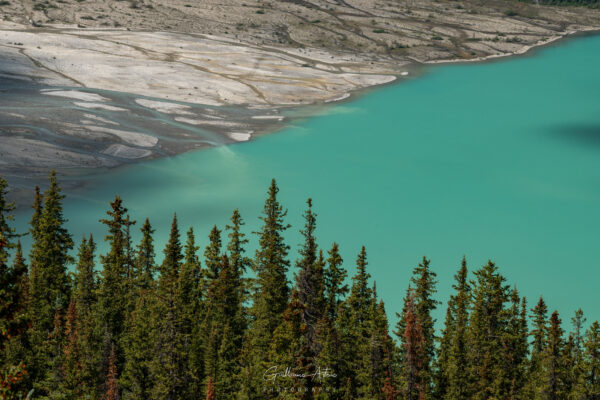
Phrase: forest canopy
(215, 322)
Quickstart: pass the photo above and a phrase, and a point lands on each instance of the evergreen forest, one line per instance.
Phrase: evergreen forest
(211, 321)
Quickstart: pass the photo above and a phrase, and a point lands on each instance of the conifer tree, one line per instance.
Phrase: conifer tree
(515, 344)
(270, 298)
(287, 350)
(442, 363)
(139, 341)
(486, 326)
(49, 283)
(572, 357)
(381, 352)
(51, 246)
(538, 346)
(414, 353)
(145, 264)
(72, 384)
(309, 280)
(114, 297)
(552, 386)
(335, 276)
(82, 322)
(356, 325)
(590, 386)
(225, 323)
(85, 280)
(137, 380)
(424, 283)
(457, 369)
(169, 366)
(237, 241)
(212, 254)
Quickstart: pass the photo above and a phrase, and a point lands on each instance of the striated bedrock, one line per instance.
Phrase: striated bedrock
(420, 29)
(195, 69)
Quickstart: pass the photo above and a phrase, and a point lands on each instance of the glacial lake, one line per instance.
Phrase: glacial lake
(496, 161)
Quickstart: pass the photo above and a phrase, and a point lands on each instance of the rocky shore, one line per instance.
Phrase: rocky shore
(140, 79)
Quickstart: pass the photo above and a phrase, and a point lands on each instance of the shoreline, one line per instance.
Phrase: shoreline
(265, 120)
(572, 34)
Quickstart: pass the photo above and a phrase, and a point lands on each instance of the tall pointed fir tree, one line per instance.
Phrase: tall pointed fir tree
(513, 376)
(114, 298)
(139, 341)
(572, 357)
(310, 285)
(423, 288)
(49, 283)
(188, 303)
(538, 334)
(414, 353)
(486, 327)
(381, 354)
(287, 350)
(212, 254)
(330, 354)
(355, 325)
(169, 367)
(552, 384)
(224, 322)
(335, 276)
(82, 340)
(271, 294)
(456, 370)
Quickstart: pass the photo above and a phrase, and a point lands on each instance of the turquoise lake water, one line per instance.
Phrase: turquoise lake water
(494, 161)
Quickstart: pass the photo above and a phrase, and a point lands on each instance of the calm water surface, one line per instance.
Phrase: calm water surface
(493, 161)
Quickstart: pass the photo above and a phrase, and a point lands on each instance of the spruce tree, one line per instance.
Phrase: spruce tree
(137, 380)
(114, 298)
(552, 385)
(457, 367)
(237, 243)
(442, 363)
(355, 327)
(145, 263)
(309, 280)
(514, 371)
(49, 284)
(50, 254)
(486, 327)
(424, 283)
(335, 276)
(270, 298)
(538, 345)
(169, 365)
(189, 307)
(414, 353)
(212, 254)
